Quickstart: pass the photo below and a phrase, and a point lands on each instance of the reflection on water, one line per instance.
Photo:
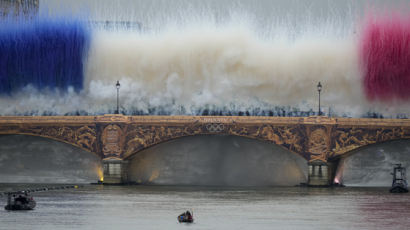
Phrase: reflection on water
(156, 207)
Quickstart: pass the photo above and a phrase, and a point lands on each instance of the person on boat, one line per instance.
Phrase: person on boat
(185, 216)
(181, 217)
(188, 215)
(21, 199)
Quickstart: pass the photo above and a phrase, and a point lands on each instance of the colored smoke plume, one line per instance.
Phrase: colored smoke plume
(43, 52)
(195, 58)
(385, 57)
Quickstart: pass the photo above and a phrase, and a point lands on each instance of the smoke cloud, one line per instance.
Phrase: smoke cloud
(385, 56)
(189, 58)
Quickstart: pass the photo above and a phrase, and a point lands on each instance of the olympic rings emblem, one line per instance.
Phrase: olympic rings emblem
(215, 127)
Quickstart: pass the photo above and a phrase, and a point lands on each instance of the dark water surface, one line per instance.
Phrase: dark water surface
(156, 207)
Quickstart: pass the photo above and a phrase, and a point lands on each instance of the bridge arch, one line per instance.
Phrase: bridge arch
(290, 138)
(56, 139)
(347, 141)
(354, 149)
(32, 158)
(215, 160)
(371, 165)
(83, 137)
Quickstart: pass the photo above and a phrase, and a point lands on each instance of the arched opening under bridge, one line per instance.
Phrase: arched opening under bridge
(220, 160)
(372, 165)
(34, 159)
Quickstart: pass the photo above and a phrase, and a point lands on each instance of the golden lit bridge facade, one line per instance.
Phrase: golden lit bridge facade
(116, 138)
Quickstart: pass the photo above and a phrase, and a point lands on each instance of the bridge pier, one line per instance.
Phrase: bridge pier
(320, 174)
(115, 171)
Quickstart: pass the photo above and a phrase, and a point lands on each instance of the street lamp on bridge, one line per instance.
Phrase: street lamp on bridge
(118, 100)
(319, 88)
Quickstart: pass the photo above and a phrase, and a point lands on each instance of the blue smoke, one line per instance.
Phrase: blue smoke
(42, 52)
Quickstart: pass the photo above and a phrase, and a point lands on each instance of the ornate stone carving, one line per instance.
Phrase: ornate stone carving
(215, 127)
(86, 137)
(315, 138)
(318, 145)
(111, 141)
(140, 137)
(112, 118)
(349, 138)
(218, 120)
(290, 137)
(81, 136)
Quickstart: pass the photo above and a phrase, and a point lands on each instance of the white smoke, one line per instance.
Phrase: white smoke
(190, 56)
(223, 67)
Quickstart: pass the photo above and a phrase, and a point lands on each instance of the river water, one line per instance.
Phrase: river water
(156, 207)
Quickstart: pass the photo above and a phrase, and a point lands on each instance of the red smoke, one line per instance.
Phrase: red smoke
(385, 57)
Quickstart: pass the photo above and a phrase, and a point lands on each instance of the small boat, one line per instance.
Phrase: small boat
(399, 184)
(20, 201)
(186, 217)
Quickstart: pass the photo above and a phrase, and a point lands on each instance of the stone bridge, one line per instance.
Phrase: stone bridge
(116, 138)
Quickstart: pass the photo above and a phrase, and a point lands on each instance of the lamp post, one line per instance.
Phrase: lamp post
(319, 88)
(118, 93)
